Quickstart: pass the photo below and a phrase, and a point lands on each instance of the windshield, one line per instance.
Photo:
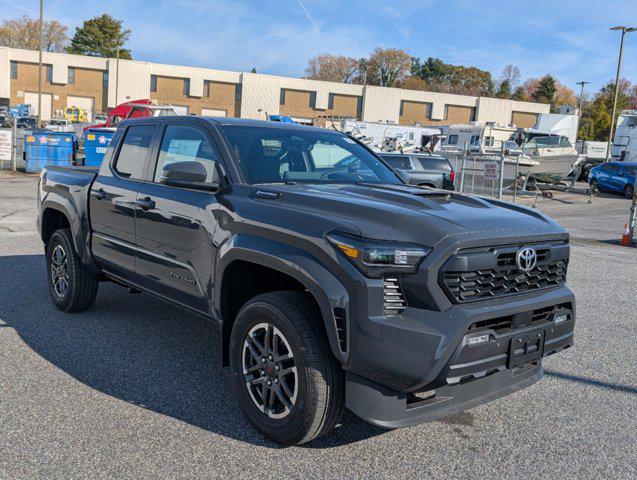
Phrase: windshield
(274, 155)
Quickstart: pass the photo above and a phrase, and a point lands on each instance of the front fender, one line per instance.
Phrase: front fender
(328, 291)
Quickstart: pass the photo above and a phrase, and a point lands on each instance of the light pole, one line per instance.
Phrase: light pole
(581, 95)
(624, 30)
(41, 27)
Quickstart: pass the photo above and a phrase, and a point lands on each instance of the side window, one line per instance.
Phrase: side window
(182, 144)
(452, 139)
(132, 154)
(613, 169)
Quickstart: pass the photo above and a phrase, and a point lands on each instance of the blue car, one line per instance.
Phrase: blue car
(616, 177)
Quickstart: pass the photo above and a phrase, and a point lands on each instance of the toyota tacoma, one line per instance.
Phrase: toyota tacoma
(332, 283)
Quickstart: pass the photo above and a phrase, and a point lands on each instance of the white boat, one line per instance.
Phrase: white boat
(624, 148)
(390, 137)
(555, 154)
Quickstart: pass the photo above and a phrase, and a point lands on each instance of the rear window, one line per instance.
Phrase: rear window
(434, 163)
(398, 161)
(132, 154)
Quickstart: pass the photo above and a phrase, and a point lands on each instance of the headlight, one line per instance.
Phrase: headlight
(376, 257)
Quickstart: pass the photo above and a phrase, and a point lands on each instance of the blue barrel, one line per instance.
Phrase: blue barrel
(96, 142)
(42, 148)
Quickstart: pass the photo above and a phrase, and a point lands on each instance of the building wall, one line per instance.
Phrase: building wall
(221, 96)
(88, 83)
(259, 94)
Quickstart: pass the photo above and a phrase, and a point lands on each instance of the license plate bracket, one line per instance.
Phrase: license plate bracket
(526, 348)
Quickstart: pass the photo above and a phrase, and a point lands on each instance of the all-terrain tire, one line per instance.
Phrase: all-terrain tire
(320, 398)
(81, 284)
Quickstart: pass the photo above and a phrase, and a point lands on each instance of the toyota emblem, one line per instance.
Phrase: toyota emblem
(526, 259)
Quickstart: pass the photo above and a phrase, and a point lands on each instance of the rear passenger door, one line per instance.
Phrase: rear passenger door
(175, 225)
(112, 200)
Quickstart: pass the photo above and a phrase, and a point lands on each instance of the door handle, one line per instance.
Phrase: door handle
(98, 194)
(145, 203)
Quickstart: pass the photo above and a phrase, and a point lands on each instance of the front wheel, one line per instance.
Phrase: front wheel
(287, 381)
(72, 286)
(629, 191)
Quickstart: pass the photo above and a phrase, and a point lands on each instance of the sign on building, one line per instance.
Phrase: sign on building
(5, 144)
(491, 170)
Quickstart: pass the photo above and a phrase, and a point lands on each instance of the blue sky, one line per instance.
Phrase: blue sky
(569, 39)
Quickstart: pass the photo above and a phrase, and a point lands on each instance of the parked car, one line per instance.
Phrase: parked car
(329, 286)
(423, 169)
(5, 121)
(75, 114)
(617, 177)
(28, 123)
(59, 125)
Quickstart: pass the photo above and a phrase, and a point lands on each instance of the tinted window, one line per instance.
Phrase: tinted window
(182, 144)
(612, 169)
(132, 154)
(434, 163)
(452, 139)
(270, 154)
(396, 161)
(630, 169)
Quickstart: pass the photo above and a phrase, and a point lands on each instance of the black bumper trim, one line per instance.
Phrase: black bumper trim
(388, 409)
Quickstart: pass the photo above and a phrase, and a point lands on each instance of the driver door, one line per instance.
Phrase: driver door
(175, 225)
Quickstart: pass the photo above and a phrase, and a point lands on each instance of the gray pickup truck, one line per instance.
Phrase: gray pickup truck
(331, 282)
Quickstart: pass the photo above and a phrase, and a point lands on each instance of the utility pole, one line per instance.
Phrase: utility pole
(41, 34)
(581, 96)
(624, 30)
(117, 77)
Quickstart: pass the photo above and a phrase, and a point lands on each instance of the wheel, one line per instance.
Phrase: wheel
(71, 285)
(287, 381)
(628, 191)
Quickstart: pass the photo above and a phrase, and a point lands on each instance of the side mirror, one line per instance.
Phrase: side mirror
(403, 175)
(190, 174)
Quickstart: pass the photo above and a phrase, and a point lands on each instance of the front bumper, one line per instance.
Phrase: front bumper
(426, 365)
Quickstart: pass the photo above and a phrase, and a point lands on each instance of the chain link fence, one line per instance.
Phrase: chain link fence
(480, 173)
(16, 158)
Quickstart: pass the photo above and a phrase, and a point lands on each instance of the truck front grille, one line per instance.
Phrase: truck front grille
(498, 274)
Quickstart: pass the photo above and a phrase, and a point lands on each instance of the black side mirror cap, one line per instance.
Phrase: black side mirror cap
(190, 174)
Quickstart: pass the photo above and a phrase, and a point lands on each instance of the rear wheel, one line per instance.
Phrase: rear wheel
(629, 191)
(72, 286)
(287, 381)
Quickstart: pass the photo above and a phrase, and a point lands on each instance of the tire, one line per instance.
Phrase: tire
(75, 291)
(316, 388)
(628, 191)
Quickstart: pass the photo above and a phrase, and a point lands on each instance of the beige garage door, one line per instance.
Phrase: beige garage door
(459, 114)
(31, 98)
(86, 103)
(212, 112)
(524, 119)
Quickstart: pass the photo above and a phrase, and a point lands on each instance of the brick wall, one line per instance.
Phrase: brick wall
(221, 96)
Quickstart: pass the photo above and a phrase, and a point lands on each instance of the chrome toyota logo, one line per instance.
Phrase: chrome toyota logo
(526, 259)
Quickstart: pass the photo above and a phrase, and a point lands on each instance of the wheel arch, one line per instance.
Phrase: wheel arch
(286, 267)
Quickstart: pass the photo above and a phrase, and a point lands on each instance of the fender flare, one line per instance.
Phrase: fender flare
(322, 284)
(79, 226)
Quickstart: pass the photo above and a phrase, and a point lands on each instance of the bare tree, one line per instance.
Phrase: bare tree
(388, 68)
(23, 33)
(511, 74)
(333, 68)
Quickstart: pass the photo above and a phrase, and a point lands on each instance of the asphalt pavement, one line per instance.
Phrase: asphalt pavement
(133, 388)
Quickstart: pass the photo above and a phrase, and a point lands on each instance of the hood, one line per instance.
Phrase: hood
(413, 214)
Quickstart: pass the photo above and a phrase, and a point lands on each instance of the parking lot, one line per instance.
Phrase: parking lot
(134, 389)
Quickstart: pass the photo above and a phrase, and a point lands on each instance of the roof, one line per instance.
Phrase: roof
(246, 122)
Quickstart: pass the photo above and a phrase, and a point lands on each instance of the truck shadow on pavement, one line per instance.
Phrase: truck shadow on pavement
(140, 350)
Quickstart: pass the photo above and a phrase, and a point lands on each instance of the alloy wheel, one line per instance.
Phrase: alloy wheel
(269, 370)
(59, 271)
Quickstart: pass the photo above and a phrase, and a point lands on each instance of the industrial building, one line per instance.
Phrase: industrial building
(98, 84)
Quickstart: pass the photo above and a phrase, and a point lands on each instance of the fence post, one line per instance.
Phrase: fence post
(515, 180)
(462, 170)
(14, 145)
(501, 175)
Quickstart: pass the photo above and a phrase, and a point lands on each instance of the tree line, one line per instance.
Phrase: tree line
(98, 37)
